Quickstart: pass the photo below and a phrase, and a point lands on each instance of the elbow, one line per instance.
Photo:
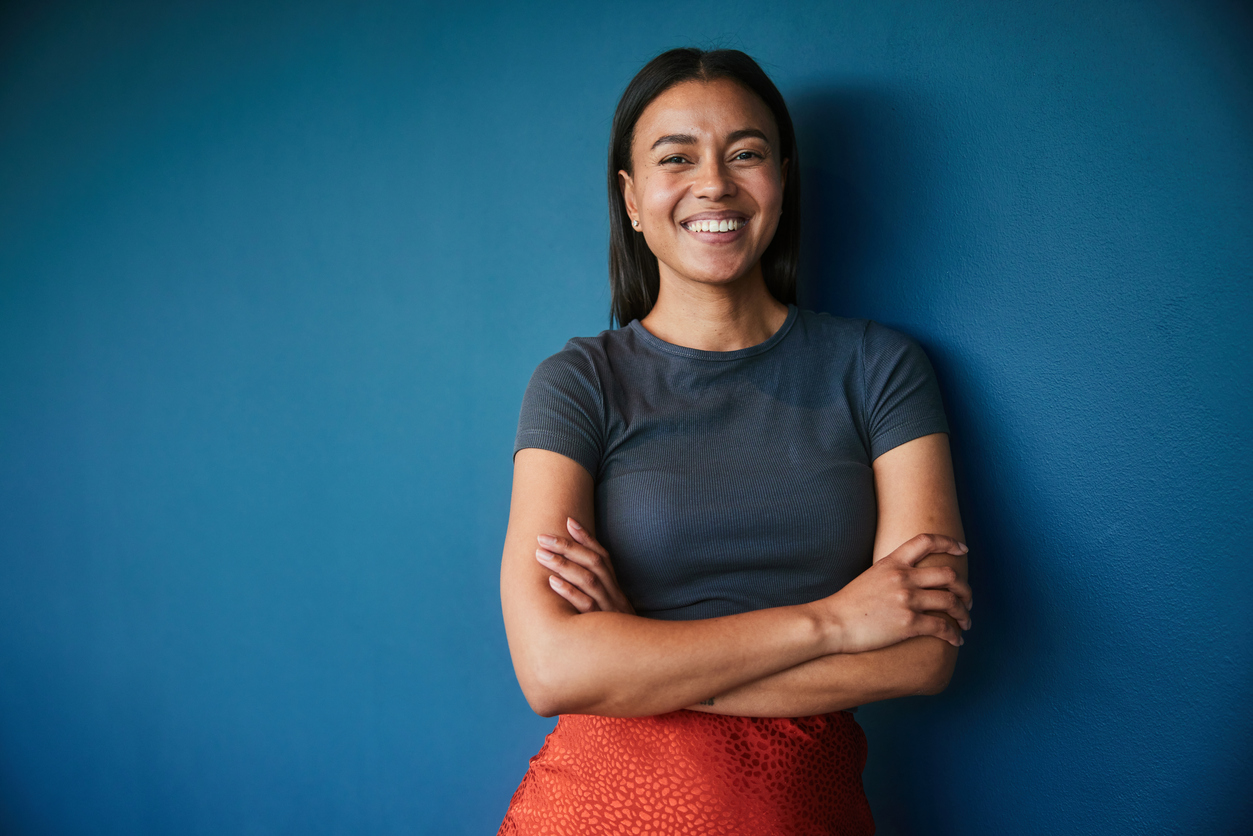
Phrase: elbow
(553, 671)
(547, 688)
(541, 696)
(936, 681)
(542, 704)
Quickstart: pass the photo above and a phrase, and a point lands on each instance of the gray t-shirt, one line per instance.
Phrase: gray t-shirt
(730, 481)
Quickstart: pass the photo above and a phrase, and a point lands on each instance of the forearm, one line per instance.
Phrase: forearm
(616, 664)
(619, 665)
(609, 662)
(921, 665)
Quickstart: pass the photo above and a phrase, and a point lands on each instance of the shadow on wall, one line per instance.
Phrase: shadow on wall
(873, 233)
(840, 134)
(868, 170)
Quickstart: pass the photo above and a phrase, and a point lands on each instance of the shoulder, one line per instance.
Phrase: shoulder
(873, 340)
(583, 370)
(829, 330)
(846, 341)
(880, 340)
(822, 340)
(563, 408)
(888, 354)
(582, 358)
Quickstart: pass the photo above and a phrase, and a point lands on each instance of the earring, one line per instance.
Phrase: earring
(635, 224)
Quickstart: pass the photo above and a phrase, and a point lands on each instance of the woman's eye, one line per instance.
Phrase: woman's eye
(747, 155)
(674, 159)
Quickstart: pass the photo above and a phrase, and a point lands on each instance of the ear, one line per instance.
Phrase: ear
(627, 186)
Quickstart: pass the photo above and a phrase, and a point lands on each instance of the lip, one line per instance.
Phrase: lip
(725, 215)
(717, 237)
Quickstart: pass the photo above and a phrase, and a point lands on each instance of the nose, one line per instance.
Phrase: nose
(712, 179)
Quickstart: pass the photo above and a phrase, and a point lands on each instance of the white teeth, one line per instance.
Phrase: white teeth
(715, 226)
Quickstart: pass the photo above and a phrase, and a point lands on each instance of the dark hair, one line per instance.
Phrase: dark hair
(633, 278)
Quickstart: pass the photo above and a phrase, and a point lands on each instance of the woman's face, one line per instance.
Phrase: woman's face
(705, 158)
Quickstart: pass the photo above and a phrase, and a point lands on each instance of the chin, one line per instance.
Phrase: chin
(716, 275)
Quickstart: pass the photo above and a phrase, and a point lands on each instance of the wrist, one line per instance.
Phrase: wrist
(827, 625)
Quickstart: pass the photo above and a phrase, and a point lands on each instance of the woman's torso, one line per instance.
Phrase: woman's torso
(725, 482)
(734, 481)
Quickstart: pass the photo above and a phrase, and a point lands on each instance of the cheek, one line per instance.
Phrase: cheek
(660, 198)
(768, 187)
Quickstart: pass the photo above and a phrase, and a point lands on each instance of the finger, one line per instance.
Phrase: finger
(933, 577)
(580, 534)
(941, 628)
(941, 577)
(583, 556)
(921, 545)
(572, 549)
(962, 590)
(576, 575)
(941, 600)
(596, 582)
(580, 601)
(572, 596)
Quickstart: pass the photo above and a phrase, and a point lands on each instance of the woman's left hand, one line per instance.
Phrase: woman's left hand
(582, 571)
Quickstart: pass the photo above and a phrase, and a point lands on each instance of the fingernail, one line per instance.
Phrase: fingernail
(547, 539)
(574, 524)
(554, 581)
(965, 548)
(543, 556)
(961, 641)
(971, 605)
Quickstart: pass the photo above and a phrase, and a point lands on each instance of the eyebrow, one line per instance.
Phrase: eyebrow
(745, 133)
(688, 139)
(675, 139)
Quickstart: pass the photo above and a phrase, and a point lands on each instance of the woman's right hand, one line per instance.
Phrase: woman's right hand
(582, 571)
(895, 599)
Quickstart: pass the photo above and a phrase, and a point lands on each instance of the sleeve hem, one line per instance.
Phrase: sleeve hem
(556, 443)
(902, 433)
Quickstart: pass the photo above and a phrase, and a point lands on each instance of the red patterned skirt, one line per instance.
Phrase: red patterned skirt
(692, 773)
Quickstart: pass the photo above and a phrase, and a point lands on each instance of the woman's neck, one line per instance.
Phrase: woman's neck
(715, 317)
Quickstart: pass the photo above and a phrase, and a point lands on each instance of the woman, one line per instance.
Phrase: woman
(732, 520)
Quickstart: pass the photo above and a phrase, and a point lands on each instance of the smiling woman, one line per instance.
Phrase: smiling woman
(745, 512)
(760, 120)
(707, 201)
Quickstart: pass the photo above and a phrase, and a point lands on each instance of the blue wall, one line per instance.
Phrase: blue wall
(272, 281)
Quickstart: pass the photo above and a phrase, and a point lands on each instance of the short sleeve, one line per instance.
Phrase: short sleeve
(902, 396)
(562, 410)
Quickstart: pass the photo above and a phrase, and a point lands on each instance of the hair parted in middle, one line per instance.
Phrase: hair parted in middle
(634, 280)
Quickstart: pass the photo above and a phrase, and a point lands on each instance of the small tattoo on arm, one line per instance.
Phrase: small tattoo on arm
(709, 701)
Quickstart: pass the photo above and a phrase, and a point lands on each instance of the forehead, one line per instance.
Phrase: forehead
(704, 108)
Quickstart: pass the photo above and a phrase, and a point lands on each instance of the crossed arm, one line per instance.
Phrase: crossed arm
(891, 632)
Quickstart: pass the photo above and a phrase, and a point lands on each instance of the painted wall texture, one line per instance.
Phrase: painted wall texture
(273, 278)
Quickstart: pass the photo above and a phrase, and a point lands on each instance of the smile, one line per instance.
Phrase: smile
(725, 225)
